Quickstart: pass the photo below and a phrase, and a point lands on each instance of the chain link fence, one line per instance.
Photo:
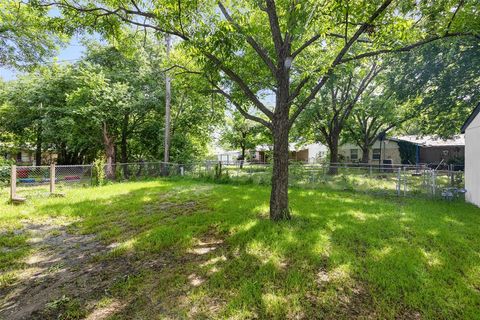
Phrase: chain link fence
(394, 180)
(386, 179)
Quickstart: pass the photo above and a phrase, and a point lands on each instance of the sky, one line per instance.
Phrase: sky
(69, 54)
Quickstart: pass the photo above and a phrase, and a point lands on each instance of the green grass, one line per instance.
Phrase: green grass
(344, 255)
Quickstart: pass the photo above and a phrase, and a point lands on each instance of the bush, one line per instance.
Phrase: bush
(98, 174)
(5, 171)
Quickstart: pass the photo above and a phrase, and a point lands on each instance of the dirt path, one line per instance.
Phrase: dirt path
(65, 279)
(62, 269)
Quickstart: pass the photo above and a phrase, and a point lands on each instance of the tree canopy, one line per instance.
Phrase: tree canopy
(28, 34)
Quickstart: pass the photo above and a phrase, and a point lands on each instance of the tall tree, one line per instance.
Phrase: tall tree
(332, 109)
(287, 48)
(100, 101)
(372, 118)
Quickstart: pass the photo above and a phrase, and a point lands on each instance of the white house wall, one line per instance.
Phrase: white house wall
(389, 150)
(316, 151)
(472, 161)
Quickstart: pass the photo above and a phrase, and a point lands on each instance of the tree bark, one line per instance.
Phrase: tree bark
(365, 154)
(333, 148)
(279, 209)
(124, 146)
(243, 157)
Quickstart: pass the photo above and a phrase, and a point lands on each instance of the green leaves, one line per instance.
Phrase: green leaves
(28, 34)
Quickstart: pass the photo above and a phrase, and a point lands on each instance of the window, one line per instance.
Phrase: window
(354, 154)
(376, 154)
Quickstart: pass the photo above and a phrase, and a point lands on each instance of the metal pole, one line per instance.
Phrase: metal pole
(399, 181)
(434, 178)
(13, 183)
(52, 178)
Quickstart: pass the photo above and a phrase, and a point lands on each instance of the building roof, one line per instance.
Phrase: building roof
(432, 141)
(472, 116)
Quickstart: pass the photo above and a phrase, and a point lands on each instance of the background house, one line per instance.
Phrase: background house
(387, 150)
(25, 155)
(309, 153)
(471, 128)
(411, 149)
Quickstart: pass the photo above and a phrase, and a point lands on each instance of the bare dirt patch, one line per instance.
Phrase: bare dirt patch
(62, 275)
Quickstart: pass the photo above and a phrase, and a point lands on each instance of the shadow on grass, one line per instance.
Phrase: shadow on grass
(342, 256)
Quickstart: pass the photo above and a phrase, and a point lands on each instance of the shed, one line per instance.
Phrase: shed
(471, 128)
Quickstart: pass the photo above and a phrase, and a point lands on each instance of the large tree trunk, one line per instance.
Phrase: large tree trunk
(333, 148)
(38, 147)
(279, 195)
(243, 157)
(365, 154)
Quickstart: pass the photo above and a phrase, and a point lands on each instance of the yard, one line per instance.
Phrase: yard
(174, 249)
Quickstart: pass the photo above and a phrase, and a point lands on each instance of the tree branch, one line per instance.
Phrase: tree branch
(243, 86)
(305, 45)
(460, 4)
(117, 12)
(242, 110)
(407, 47)
(254, 44)
(338, 59)
(274, 26)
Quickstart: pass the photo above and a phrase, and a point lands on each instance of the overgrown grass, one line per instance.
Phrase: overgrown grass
(344, 255)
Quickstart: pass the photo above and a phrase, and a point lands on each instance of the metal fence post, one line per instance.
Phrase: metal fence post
(452, 176)
(399, 174)
(434, 181)
(52, 178)
(13, 183)
(404, 182)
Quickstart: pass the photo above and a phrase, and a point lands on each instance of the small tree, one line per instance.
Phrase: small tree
(242, 134)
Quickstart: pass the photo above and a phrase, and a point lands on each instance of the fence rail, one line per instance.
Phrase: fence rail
(384, 179)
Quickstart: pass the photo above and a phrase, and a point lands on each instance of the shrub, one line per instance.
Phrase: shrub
(98, 174)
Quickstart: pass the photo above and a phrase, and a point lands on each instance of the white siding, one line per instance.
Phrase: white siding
(389, 148)
(472, 161)
(316, 151)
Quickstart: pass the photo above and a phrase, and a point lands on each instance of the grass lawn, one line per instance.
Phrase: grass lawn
(185, 249)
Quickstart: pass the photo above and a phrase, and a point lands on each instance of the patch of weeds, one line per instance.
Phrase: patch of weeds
(111, 233)
(56, 267)
(104, 302)
(55, 233)
(13, 247)
(7, 279)
(65, 308)
(127, 284)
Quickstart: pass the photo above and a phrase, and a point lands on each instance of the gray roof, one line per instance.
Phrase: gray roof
(432, 141)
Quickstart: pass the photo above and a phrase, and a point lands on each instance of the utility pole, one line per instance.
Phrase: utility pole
(166, 157)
